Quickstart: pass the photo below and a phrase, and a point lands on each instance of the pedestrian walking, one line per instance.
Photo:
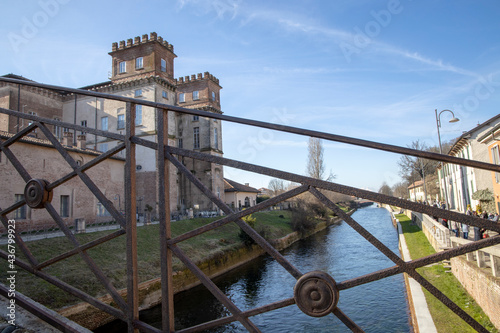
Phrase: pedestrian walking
(454, 227)
(465, 230)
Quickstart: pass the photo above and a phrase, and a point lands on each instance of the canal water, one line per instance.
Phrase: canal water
(379, 306)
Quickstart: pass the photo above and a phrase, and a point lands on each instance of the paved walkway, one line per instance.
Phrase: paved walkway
(424, 319)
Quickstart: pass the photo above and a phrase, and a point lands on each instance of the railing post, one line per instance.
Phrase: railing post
(495, 265)
(480, 259)
(470, 256)
(131, 227)
(167, 292)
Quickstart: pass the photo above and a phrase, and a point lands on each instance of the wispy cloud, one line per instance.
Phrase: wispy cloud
(338, 36)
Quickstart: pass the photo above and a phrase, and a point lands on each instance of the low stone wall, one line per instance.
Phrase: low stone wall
(479, 282)
(481, 285)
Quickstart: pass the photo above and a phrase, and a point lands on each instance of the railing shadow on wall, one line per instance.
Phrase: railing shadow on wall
(168, 156)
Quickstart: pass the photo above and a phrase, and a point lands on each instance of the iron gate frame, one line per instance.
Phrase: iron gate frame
(128, 310)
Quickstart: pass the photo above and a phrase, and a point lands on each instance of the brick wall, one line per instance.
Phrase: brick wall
(46, 163)
(483, 287)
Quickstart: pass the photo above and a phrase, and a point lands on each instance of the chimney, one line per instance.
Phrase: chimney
(67, 139)
(247, 184)
(81, 141)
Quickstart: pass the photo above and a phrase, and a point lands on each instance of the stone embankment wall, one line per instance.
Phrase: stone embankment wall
(150, 291)
(481, 285)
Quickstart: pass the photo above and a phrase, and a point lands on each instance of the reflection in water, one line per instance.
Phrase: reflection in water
(377, 307)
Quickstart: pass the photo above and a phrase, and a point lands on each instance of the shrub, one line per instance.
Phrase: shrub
(302, 218)
(244, 237)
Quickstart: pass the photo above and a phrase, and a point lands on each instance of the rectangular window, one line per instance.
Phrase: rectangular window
(104, 123)
(121, 121)
(138, 115)
(138, 93)
(216, 139)
(20, 213)
(196, 95)
(84, 124)
(213, 95)
(179, 143)
(101, 210)
(163, 65)
(122, 67)
(57, 129)
(196, 118)
(138, 63)
(103, 147)
(33, 114)
(196, 137)
(182, 98)
(495, 155)
(64, 209)
(164, 94)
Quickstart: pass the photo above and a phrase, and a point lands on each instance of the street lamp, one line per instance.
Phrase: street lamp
(438, 124)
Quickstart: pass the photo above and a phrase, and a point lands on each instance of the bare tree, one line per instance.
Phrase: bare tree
(400, 190)
(315, 162)
(413, 168)
(276, 186)
(385, 189)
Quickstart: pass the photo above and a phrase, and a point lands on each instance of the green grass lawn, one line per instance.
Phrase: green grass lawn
(111, 256)
(446, 321)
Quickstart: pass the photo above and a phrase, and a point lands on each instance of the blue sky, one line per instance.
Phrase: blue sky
(374, 70)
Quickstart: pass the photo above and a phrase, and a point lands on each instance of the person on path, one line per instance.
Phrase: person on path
(454, 227)
(465, 230)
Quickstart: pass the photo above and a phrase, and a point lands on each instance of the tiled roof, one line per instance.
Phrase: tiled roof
(47, 143)
(232, 186)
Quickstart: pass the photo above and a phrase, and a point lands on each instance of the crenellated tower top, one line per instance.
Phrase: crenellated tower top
(152, 37)
(149, 55)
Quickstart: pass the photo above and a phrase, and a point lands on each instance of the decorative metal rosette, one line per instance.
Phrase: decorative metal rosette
(316, 294)
(36, 193)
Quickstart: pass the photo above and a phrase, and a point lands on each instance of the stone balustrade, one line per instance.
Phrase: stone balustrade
(493, 252)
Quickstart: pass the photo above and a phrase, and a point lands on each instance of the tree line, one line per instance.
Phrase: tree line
(413, 169)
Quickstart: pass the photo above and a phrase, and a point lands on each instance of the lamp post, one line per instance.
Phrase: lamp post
(438, 125)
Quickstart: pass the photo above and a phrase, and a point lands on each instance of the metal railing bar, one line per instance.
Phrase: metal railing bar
(16, 164)
(145, 327)
(86, 166)
(225, 208)
(20, 242)
(165, 233)
(344, 189)
(42, 313)
(81, 248)
(347, 321)
(282, 128)
(446, 301)
(454, 252)
(421, 262)
(131, 221)
(49, 121)
(85, 256)
(83, 176)
(371, 277)
(18, 136)
(238, 215)
(214, 290)
(66, 287)
(358, 228)
(230, 319)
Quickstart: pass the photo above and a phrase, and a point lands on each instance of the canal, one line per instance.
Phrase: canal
(379, 306)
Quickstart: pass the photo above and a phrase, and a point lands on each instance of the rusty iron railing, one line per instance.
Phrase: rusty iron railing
(309, 286)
